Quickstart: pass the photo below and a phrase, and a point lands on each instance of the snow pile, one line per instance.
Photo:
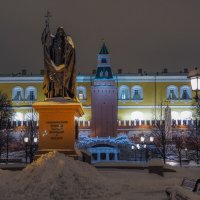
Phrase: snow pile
(55, 176)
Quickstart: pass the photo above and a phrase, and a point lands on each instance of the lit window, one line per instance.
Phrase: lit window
(137, 115)
(31, 93)
(18, 96)
(80, 95)
(124, 92)
(172, 95)
(17, 93)
(81, 92)
(31, 96)
(136, 95)
(172, 92)
(137, 92)
(185, 92)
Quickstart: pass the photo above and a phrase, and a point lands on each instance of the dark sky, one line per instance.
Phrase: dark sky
(148, 34)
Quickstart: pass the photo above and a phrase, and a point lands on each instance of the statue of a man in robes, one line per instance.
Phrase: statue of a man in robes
(59, 64)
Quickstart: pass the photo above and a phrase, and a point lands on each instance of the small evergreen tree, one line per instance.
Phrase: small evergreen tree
(6, 114)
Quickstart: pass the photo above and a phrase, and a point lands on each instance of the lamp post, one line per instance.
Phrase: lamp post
(142, 138)
(186, 153)
(145, 146)
(32, 142)
(194, 76)
(26, 139)
(133, 149)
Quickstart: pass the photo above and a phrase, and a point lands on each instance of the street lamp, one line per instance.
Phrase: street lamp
(26, 139)
(145, 146)
(186, 153)
(151, 138)
(138, 146)
(35, 140)
(142, 139)
(194, 76)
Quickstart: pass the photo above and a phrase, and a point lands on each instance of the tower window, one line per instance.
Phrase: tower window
(103, 60)
(106, 73)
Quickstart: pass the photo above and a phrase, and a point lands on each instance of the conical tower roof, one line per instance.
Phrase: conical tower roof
(104, 49)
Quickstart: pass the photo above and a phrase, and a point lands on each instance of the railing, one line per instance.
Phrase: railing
(135, 123)
(121, 124)
(14, 124)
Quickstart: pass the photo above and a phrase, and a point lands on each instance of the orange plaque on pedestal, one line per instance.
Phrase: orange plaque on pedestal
(57, 125)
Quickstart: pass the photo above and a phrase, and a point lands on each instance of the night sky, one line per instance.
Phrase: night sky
(148, 34)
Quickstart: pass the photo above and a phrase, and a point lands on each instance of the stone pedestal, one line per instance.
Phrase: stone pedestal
(57, 125)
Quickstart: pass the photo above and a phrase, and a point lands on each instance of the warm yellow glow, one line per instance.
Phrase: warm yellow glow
(26, 139)
(186, 115)
(142, 138)
(138, 146)
(151, 138)
(18, 116)
(195, 82)
(35, 140)
(137, 115)
(132, 147)
(175, 115)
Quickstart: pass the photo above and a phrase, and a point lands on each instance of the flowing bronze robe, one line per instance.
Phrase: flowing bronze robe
(59, 65)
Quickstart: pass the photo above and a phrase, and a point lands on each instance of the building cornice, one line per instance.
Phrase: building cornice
(169, 78)
(37, 79)
(152, 107)
(87, 78)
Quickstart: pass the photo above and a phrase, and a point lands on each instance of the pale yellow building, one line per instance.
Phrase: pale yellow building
(140, 97)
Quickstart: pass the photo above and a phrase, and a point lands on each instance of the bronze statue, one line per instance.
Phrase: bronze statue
(59, 64)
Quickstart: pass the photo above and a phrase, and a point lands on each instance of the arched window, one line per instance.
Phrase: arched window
(17, 93)
(137, 115)
(29, 116)
(31, 93)
(185, 93)
(172, 92)
(136, 93)
(186, 115)
(175, 115)
(18, 116)
(81, 92)
(124, 93)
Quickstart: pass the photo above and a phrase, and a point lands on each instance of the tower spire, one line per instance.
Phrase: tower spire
(104, 49)
(103, 66)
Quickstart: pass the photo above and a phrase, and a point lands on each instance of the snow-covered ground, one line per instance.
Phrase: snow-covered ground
(56, 177)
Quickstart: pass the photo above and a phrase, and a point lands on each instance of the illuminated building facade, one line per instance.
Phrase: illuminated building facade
(136, 99)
